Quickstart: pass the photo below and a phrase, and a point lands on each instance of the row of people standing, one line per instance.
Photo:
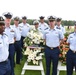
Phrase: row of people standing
(5, 67)
(13, 32)
(53, 37)
(16, 33)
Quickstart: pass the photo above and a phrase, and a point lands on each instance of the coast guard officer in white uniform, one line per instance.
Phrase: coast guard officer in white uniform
(5, 68)
(52, 39)
(42, 25)
(71, 54)
(11, 35)
(18, 39)
(59, 26)
(25, 28)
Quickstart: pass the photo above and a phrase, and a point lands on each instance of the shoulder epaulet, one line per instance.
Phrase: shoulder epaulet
(40, 28)
(5, 34)
(46, 28)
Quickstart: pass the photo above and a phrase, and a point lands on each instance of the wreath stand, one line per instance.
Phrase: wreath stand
(33, 67)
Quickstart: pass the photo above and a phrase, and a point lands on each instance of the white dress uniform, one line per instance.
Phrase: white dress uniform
(9, 31)
(43, 26)
(11, 34)
(17, 43)
(25, 28)
(72, 41)
(52, 37)
(4, 47)
(71, 54)
(17, 33)
(60, 28)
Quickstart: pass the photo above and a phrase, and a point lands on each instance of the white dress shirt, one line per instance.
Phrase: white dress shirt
(43, 26)
(11, 33)
(25, 28)
(4, 46)
(53, 37)
(60, 28)
(17, 33)
(72, 40)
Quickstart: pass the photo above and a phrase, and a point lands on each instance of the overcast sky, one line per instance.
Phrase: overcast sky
(66, 9)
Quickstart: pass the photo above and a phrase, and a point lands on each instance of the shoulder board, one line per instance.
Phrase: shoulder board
(46, 28)
(40, 28)
(5, 34)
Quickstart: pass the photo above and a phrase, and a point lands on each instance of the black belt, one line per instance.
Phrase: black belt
(4, 61)
(22, 36)
(73, 51)
(52, 47)
(17, 41)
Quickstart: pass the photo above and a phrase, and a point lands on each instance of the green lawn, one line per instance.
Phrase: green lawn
(18, 69)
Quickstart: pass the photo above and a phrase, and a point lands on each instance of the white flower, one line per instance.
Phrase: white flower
(27, 51)
(35, 62)
(34, 53)
(41, 54)
(25, 44)
(28, 60)
(33, 37)
(36, 41)
(28, 34)
(38, 58)
(32, 56)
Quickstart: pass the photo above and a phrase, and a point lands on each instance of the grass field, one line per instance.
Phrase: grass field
(18, 69)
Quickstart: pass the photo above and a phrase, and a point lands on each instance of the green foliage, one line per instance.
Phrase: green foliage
(12, 22)
(64, 22)
(66, 35)
(30, 21)
(68, 23)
